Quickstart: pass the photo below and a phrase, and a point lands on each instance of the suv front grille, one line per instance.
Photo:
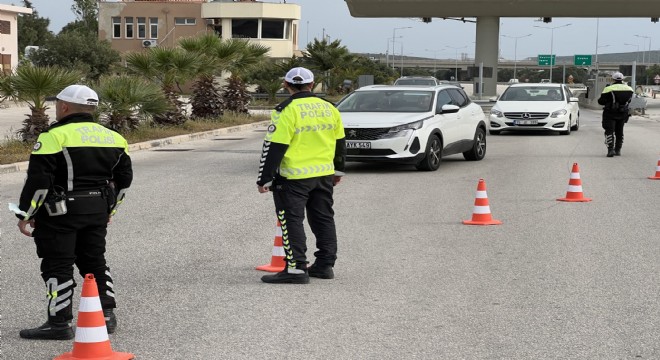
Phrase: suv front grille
(531, 115)
(364, 134)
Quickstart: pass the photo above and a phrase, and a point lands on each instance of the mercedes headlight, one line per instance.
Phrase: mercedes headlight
(558, 113)
(496, 113)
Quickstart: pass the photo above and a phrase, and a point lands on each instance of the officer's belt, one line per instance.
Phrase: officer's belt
(85, 194)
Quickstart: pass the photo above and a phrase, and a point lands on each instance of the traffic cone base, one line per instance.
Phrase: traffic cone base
(92, 342)
(113, 356)
(574, 192)
(481, 214)
(277, 262)
(657, 172)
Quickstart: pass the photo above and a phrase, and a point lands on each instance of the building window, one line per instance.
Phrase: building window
(185, 21)
(273, 29)
(5, 27)
(129, 27)
(141, 28)
(153, 28)
(116, 27)
(245, 28)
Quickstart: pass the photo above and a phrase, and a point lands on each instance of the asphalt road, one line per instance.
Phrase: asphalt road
(555, 281)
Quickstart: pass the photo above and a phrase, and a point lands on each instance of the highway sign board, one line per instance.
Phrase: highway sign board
(582, 60)
(545, 60)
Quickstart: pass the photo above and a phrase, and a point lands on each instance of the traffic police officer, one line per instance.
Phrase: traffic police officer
(302, 159)
(616, 99)
(77, 176)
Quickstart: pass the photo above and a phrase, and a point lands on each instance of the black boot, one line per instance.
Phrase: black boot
(610, 152)
(49, 331)
(110, 320)
(296, 276)
(617, 152)
(321, 271)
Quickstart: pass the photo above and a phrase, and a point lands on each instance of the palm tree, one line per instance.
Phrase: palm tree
(126, 101)
(170, 67)
(215, 56)
(325, 57)
(32, 84)
(248, 57)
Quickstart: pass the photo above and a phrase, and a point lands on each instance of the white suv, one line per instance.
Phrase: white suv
(412, 124)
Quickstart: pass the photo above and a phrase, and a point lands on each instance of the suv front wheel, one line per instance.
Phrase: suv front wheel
(478, 150)
(431, 160)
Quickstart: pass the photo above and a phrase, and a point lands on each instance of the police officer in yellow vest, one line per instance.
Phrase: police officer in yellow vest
(616, 100)
(77, 176)
(302, 159)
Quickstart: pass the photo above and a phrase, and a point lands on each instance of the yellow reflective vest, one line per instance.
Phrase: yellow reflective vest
(310, 126)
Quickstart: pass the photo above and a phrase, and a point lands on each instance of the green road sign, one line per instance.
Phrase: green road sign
(545, 60)
(582, 60)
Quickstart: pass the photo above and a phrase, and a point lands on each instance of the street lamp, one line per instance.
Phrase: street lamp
(552, 34)
(597, 65)
(456, 70)
(637, 52)
(644, 51)
(387, 53)
(394, 37)
(515, 51)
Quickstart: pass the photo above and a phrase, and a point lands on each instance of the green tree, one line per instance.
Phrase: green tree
(86, 17)
(78, 50)
(31, 85)
(169, 67)
(126, 101)
(324, 56)
(215, 57)
(268, 77)
(249, 57)
(32, 29)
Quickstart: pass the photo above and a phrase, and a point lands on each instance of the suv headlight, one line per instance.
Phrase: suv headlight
(401, 130)
(496, 113)
(558, 113)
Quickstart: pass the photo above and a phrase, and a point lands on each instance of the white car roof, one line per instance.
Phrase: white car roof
(535, 84)
(406, 87)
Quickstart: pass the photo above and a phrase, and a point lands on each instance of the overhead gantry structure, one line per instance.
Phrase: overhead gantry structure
(489, 12)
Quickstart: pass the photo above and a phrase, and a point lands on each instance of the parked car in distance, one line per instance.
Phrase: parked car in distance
(417, 80)
(542, 106)
(412, 124)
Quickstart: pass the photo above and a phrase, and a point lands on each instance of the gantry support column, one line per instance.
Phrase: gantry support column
(486, 50)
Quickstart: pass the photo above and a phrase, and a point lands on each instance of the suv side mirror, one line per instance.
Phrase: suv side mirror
(448, 109)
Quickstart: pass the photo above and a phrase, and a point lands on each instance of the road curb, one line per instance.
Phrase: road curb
(22, 166)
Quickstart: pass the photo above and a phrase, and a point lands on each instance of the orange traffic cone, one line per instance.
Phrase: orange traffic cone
(657, 172)
(574, 192)
(92, 340)
(277, 262)
(481, 214)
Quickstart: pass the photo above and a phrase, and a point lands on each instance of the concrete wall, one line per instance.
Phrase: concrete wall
(280, 48)
(9, 42)
(166, 12)
(211, 16)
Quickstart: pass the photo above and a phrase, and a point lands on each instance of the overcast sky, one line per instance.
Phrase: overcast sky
(441, 38)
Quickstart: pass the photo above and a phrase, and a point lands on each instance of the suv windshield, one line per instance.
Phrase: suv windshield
(532, 93)
(387, 101)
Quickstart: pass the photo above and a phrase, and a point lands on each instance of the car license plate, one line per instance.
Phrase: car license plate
(358, 145)
(526, 122)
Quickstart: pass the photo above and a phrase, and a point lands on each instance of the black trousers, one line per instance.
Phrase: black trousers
(294, 197)
(613, 126)
(69, 239)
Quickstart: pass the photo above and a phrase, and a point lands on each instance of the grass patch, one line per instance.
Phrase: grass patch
(13, 150)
